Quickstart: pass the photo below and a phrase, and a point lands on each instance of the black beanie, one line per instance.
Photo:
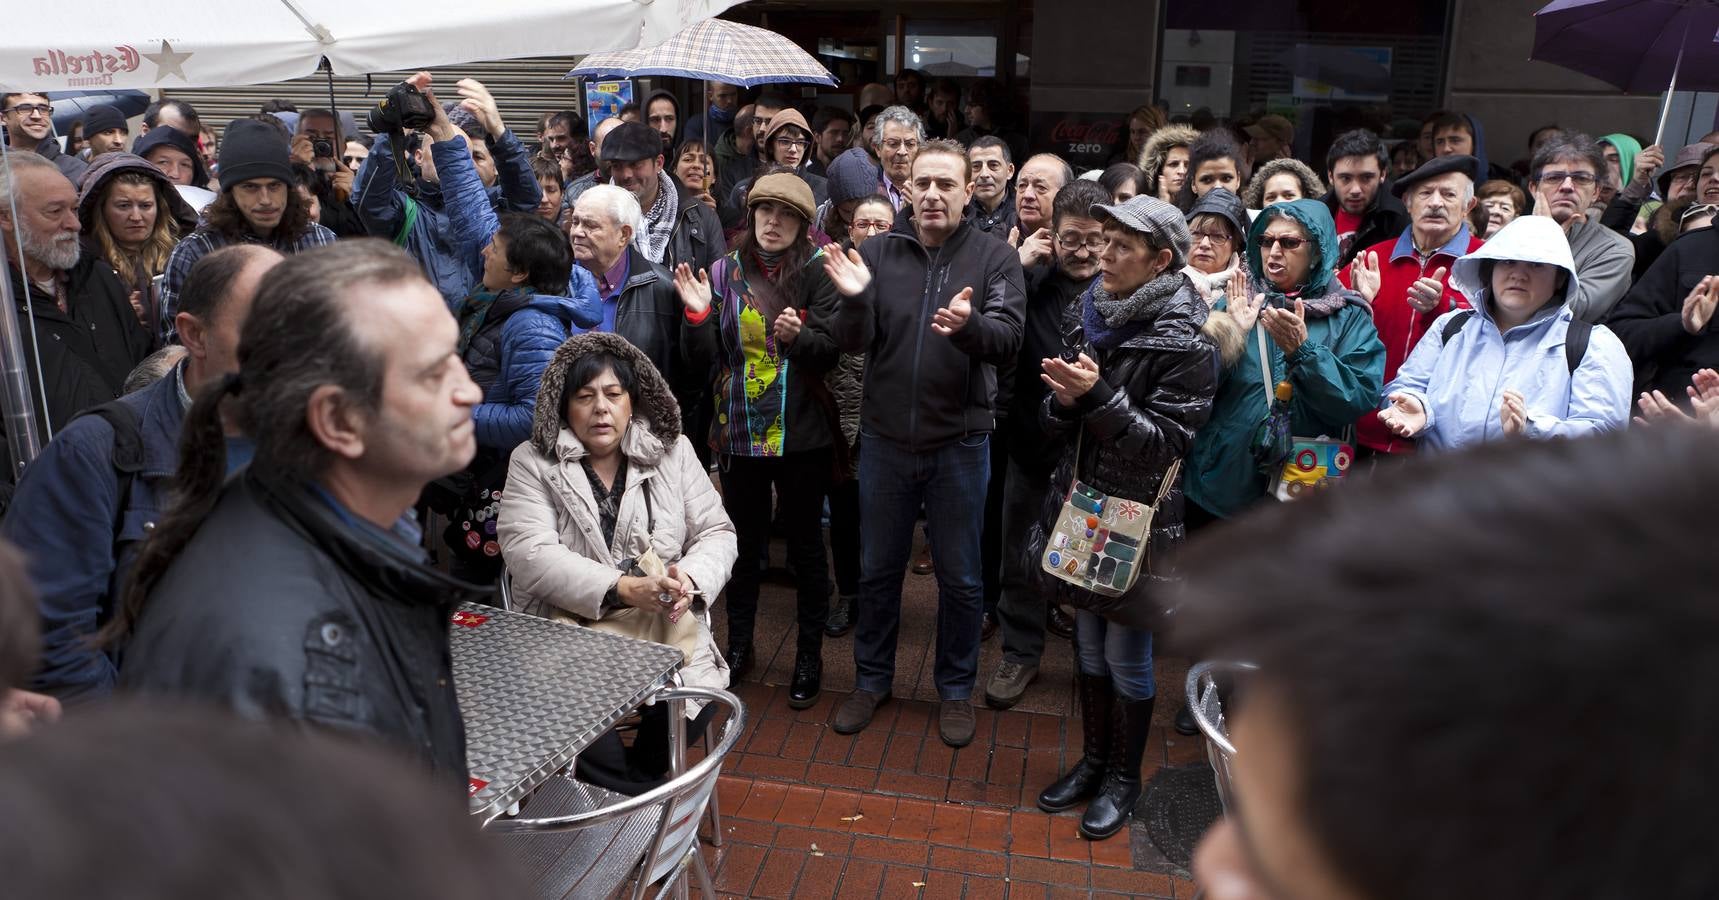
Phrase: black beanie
(252, 149)
(104, 118)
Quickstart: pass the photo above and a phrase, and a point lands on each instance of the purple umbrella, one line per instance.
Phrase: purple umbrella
(1641, 46)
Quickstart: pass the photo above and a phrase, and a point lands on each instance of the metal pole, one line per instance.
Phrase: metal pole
(16, 404)
(1665, 107)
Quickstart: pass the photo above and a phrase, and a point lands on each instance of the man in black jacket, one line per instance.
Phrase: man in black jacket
(298, 589)
(935, 312)
(1365, 214)
(1666, 319)
(80, 321)
(29, 120)
(1051, 289)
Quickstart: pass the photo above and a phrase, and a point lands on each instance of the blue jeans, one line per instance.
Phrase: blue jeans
(950, 483)
(1123, 653)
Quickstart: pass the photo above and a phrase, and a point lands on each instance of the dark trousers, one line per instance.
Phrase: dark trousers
(801, 479)
(1021, 609)
(992, 540)
(894, 483)
(845, 535)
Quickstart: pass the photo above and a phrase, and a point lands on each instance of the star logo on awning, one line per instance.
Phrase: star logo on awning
(168, 62)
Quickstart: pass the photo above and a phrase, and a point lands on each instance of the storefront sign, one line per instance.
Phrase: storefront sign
(1084, 140)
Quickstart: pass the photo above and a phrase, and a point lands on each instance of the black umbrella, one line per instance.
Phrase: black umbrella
(71, 106)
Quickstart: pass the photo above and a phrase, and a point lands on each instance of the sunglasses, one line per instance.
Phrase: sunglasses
(1289, 244)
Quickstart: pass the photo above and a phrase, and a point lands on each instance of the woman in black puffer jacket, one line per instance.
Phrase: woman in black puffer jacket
(1141, 388)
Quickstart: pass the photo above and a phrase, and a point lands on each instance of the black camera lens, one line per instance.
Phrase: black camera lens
(323, 149)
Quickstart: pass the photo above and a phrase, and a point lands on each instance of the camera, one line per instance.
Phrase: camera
(404, 108)
(322, 149)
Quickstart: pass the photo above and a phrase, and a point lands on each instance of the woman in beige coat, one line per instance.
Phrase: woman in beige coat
(609, 520)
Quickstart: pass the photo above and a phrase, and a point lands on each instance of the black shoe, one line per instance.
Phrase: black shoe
(841, 618)
(1059, 623)
(806, 686)
(739, 661)
(1109, 811)
(987, 626)
(1185, 724)
(1097, 701)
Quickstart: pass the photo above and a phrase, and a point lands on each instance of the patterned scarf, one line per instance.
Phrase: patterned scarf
(660, 219)
(1111, 320)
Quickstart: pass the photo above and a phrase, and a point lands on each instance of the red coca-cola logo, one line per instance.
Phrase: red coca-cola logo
(1104, 131)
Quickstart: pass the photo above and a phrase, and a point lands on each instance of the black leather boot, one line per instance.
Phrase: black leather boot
(739, 660)
(1109, 811)
(1097, 698)
(808, 680)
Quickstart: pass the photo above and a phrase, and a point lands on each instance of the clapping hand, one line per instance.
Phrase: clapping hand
(1364, 275)
(1405, 417)
(694, 291)
(1068, 381)
(1703, 399)
(1698, 306)
(846, 270)
(787, 326)
(1513, 414)
(953, 317)
(1287, 329)
(1425, 293)
(1243, 310)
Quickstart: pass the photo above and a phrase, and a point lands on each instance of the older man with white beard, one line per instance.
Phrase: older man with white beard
(86, 333)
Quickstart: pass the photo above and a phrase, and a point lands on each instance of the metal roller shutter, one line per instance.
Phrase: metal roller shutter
(523, 88)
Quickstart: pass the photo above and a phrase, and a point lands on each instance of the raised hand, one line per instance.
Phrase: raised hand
(478, 101)
(341, 179)
(1036, 248)
(303, 151)
(1647, 163)
(787, 326)
(1405, 417)
(694, 291)
(1704, 396)
(439, 129)
(846, 270)
(1698, 306)
(1364, 275)
(1245, 310)
(1287, 329)
(1068, 381)
(953, 317)
(1014, 237)
(1425, 293)
(1513, 413)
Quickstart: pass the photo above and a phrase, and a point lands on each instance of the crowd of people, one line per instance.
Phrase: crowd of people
(613, 365)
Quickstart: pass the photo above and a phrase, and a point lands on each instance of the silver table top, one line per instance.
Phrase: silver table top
(535, 692)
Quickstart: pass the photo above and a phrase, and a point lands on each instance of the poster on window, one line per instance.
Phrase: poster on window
(1347, 74)
(604, 99)
(1086, 140)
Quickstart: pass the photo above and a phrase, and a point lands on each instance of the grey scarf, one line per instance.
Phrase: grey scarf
(1117, 311)
(660, 219)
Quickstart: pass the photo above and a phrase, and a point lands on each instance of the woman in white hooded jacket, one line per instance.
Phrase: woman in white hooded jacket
(605, 490)
(1517, 363)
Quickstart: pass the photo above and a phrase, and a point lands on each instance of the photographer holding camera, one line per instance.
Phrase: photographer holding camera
(315, 145)
(444, 215)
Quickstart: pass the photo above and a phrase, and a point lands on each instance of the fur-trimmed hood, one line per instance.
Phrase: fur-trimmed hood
(109, 165)
(654, 404)
(1158, 147)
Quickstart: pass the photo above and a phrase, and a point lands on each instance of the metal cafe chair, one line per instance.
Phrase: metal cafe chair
(1207, 706)
(507, 603)
(584, 841)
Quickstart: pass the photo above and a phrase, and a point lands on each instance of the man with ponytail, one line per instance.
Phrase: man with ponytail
(298, 588)
(85, 505)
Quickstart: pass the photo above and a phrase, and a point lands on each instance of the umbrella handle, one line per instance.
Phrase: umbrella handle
(1665, 107)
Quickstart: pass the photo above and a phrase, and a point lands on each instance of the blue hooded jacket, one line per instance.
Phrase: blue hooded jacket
(529, 338)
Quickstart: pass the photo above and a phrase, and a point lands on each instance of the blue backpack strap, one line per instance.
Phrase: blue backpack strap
(127, 454)
(1576, 343)
(1454, 324)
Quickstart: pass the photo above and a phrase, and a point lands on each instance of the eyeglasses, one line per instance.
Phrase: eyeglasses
(1289, 244)
(39, 109)
(872, 225)
(894, 145)
(1216, 237)
(1582, 179)
(1072, 242)
(787, 142)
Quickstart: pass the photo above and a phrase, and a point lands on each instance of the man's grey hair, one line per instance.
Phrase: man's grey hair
(620, 205)
(900, 115)
(1570, 146)
(20, 161)
(153, 368)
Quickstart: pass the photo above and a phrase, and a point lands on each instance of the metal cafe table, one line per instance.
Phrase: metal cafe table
(535, 693)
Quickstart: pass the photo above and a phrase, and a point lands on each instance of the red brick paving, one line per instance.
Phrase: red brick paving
(893, 812)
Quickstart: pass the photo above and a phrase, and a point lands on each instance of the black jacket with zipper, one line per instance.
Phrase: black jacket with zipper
(86, 351)
(1385, 218)
(922, 390)
(649, 314)
(1050, 295)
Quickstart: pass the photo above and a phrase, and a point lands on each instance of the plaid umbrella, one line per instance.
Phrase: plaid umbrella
(713, 50)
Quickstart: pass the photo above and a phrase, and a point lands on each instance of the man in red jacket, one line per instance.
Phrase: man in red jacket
(1405, 279)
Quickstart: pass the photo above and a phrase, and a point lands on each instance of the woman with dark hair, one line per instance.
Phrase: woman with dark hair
(1124, 181)
(548, 174)
(776, 422)
(609, 520)
(788, 144)
(1280, 181)
(693, 167)
(132, 217)
(1214, 160)
(1139, 386)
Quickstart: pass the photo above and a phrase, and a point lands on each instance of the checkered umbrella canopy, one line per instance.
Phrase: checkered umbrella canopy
(714, 50)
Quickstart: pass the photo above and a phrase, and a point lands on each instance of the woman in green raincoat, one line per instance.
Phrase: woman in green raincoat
(1316, 334)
